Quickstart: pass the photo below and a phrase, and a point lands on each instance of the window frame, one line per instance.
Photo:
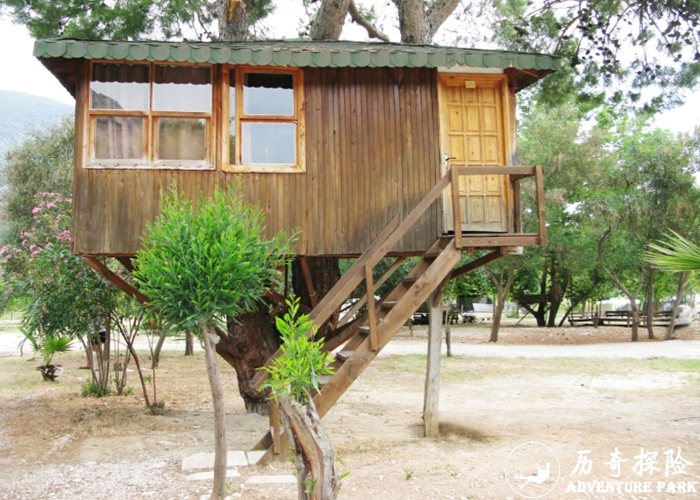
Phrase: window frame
(149, 159)
(240, 117)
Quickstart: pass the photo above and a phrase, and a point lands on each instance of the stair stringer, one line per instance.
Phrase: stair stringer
(391, 323)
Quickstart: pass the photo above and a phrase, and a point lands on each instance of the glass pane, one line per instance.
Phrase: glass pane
(119, 86)
(269, 143)
(182, 88)
(232, 118)
(182, 139)
(118, 138)
(268, 94)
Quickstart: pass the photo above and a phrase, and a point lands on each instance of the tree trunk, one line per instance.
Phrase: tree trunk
(682, 280)
(233, 20)
(635, 319)
(329, 20)
(503, 289)
(250, 341)
(412, 22)
(315, 456)
(650, 306)
(218, 491)
(189, 344)
(159, 347)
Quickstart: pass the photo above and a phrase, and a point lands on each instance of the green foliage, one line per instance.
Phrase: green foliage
(125, 20)
(92, 389)
(302, 362)
(675, 253)
(658, 39)
(48, 346)
(208, 261)
(65, 294)
(41, 164)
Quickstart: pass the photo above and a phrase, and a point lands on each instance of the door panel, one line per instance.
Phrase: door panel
(473, 134)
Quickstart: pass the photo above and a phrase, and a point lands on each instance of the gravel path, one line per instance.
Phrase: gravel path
(673, 349)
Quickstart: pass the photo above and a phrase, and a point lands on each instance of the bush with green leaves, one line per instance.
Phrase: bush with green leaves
(302, 362)
(208, 261)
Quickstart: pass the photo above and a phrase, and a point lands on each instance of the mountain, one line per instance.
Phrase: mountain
(20, 113)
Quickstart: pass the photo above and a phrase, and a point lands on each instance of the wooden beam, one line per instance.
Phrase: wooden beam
(277, 297)
(309, 282)
(431, 398)
(539, 185)
(358, 305)
(456, 207)
(128, 263)
(502, 240)
(116, 280)
(370, 308)
(519, 171)
(476, 264)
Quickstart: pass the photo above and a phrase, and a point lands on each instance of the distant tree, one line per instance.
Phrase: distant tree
(66, 298)
(203, 263)
(41, 164)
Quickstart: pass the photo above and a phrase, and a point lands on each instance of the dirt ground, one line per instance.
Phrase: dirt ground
(56, 444)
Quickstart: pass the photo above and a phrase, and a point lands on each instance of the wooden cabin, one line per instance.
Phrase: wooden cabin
(365, 147)
(334, 138)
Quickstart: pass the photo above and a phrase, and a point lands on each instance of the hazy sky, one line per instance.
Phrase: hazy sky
(21, 72)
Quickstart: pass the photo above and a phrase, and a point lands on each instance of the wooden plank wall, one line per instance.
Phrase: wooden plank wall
(372, 153)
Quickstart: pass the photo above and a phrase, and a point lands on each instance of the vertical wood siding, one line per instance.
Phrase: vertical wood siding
(372, 152)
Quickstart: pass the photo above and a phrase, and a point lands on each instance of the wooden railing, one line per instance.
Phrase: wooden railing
(395, 230)
(515, 238)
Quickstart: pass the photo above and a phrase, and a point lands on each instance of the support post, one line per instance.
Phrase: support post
(370, 309)
(275, 430)
(431, 402)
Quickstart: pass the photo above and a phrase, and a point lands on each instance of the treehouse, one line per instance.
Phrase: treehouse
(370, 149)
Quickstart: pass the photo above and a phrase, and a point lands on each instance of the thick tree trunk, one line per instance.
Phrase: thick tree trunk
(329, 20)
(233, 19)
(315, 456)
(250, 341)
(218, 491)
(412, 21)
(650, 303)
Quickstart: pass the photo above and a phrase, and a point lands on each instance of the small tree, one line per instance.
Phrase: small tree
(201, 264)
(292, 375)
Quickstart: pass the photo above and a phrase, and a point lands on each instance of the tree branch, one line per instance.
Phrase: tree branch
(358, 18)
(438, 13)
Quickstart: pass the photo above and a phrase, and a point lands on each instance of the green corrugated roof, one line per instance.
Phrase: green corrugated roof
(300, 53)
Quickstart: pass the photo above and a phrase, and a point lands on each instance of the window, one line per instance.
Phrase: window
(265, 120)
(150, 115)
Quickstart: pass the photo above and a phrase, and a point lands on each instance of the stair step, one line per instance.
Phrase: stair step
(324, 379)
(388, 304)
(409, 280)
(364, 330)
(432, 254)
(343, 355)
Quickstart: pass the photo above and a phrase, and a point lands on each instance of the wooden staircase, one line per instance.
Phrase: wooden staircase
(360, 337)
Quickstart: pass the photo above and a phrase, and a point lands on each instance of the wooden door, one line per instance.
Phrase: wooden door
(473, 134)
